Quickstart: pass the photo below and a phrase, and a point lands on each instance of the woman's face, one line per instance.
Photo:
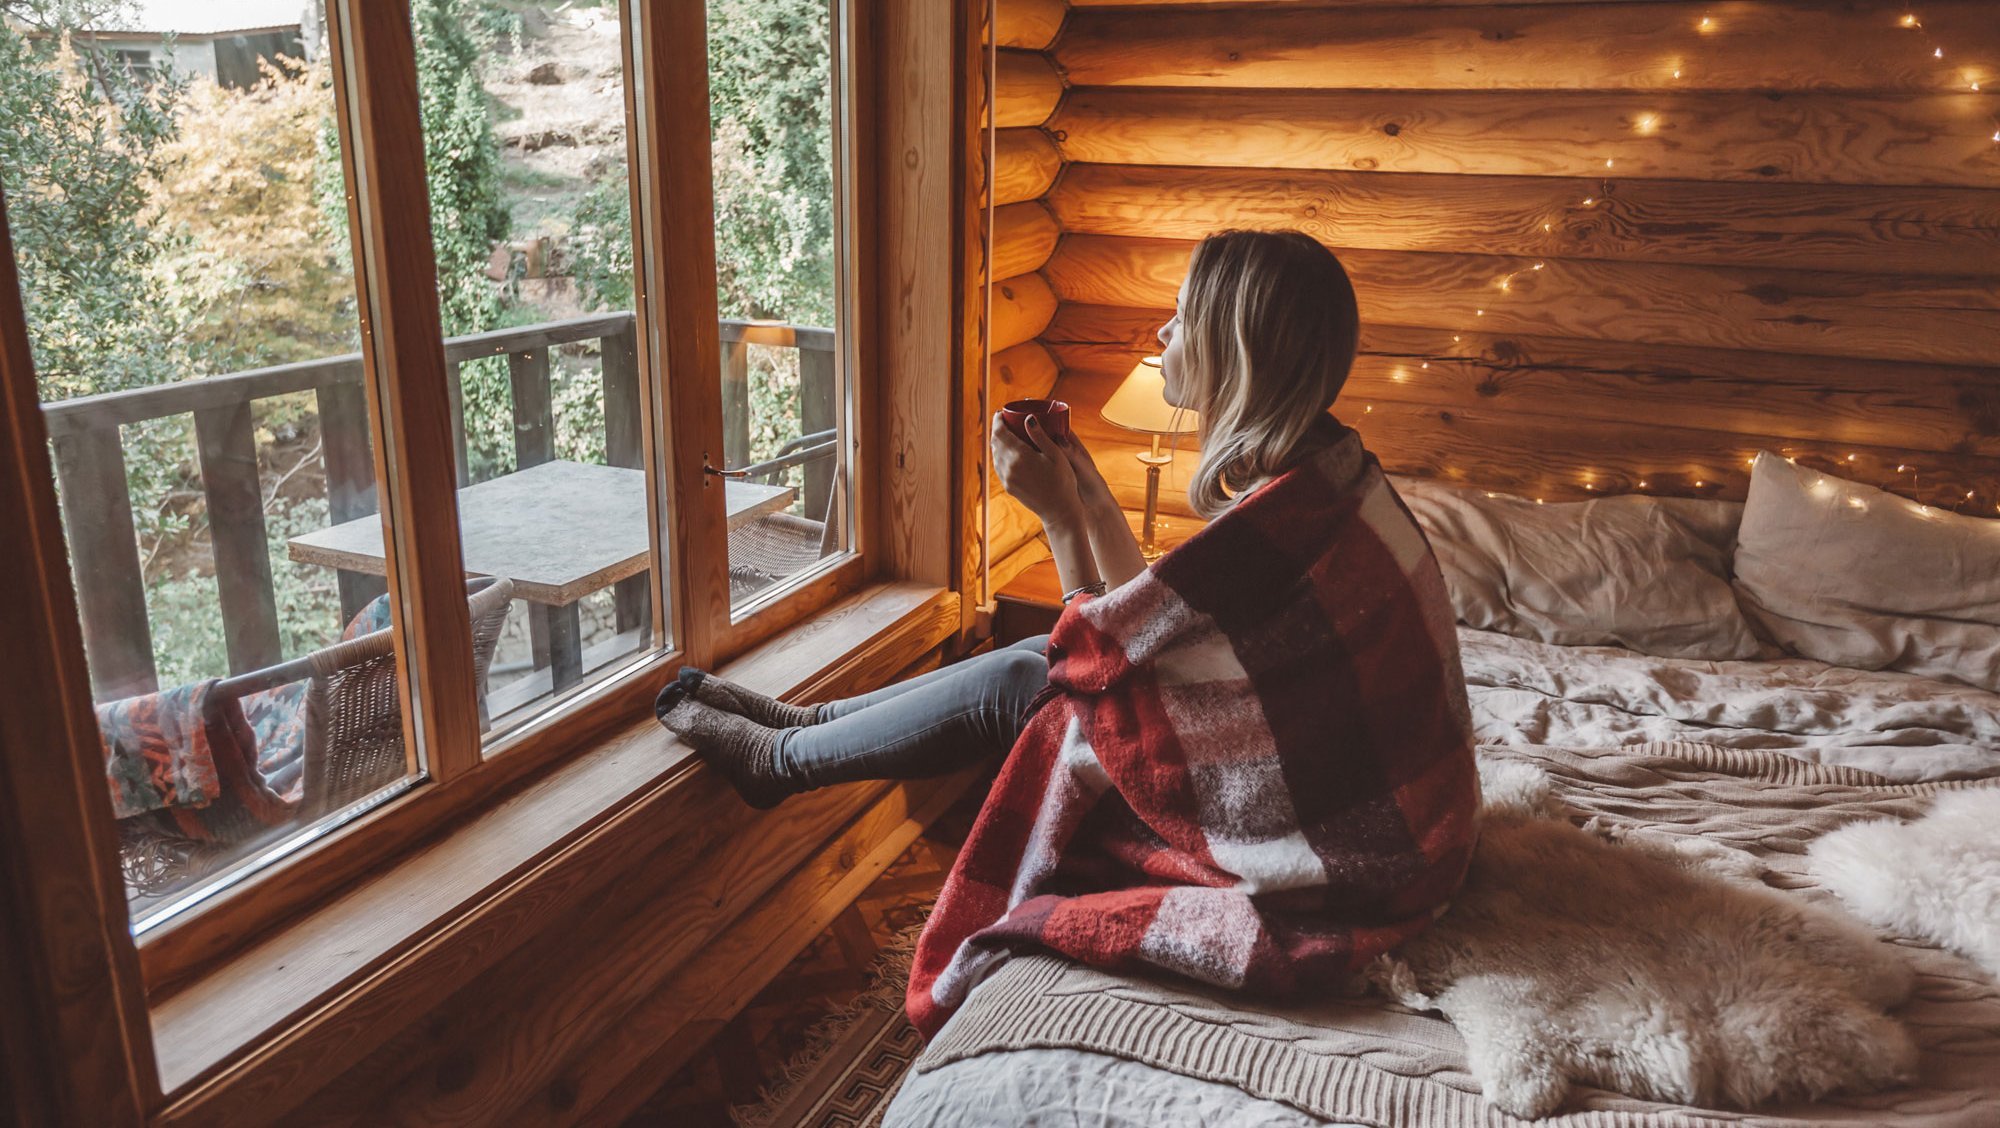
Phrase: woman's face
(1170, 355)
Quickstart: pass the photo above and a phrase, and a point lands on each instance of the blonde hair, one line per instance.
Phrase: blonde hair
(1269, 330)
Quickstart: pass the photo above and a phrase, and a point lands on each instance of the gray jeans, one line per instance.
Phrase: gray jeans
(930, 725)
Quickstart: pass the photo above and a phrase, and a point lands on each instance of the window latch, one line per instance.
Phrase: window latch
(708, 468)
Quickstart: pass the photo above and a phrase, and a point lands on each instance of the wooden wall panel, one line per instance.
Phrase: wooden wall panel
(1799, 226)
(1025, 163)
(1022, 307)
(1944, 319)
(1026, 89)
(1939, 139)
(1029, 24)
(1914, 407)
(1557, 457)
(1024, 236)
(1777, 45)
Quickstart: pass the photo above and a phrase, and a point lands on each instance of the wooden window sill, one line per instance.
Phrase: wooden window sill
(309, 999)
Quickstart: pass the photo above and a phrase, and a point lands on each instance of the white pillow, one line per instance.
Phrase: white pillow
(1851, 575)
(1646, 573)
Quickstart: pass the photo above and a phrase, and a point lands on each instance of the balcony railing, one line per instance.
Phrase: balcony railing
(97, 506)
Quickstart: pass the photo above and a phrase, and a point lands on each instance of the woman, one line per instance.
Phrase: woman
(1250, 763)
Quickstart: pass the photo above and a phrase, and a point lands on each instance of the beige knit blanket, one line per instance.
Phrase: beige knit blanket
(1353, 1060)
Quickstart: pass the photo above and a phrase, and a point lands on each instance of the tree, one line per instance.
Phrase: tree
(253, 259)
(81, 152)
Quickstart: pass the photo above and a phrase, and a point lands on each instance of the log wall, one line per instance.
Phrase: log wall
(1600, 245)
(1026, 164)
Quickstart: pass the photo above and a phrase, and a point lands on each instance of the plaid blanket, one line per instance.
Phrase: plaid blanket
(1254, 766)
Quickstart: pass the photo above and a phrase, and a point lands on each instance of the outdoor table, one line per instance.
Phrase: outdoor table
(559, 530)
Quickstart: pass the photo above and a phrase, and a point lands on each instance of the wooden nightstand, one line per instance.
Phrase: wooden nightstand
(1031, 603)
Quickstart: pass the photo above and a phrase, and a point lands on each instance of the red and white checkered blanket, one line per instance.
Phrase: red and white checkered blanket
(1255, 767)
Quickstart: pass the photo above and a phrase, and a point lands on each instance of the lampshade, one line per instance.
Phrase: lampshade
(1140, 404)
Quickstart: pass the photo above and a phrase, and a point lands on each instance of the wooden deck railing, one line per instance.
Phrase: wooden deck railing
(97, 506)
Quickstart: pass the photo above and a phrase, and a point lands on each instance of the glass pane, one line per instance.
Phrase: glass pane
(525, 142)
(772, 109)
(178, 224)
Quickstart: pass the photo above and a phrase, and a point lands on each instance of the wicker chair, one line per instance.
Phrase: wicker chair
(353, 738)
(772, 547)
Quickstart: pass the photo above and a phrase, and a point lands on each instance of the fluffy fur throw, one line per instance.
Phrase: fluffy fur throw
(1255, 764)
(1936, 879)
(1644, 967)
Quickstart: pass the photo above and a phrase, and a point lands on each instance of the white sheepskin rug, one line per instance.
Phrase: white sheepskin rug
(1648, 967)
(1935, 879)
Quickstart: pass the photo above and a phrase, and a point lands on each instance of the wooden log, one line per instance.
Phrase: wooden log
(1938, 139)
(1024, 236)
(1560, 458)
(1568, 459)
(1029, 24)
(1025, 163)
(1948, 320)
(1026, 371)
(1079, 323)
(1774, 45)
(1009, 525)
(1915, 407)
(226, 448)
(1026, 89)
(1798, 226)
(1321, 3)
(1022, 307)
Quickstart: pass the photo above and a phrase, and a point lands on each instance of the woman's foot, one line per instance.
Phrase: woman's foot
(732, 698)
(738, 747)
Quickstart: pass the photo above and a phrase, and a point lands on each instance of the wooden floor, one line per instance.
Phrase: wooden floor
(752, 1051)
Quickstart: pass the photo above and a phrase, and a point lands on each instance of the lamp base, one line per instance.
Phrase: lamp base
(1149, 548)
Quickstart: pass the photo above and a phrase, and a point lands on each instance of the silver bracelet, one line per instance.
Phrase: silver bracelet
(1095, 587)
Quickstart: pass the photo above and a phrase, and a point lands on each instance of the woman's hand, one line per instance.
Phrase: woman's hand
(1039, 475)
(1091, 488)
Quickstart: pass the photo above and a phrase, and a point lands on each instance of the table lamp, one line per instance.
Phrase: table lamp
(1140, 404)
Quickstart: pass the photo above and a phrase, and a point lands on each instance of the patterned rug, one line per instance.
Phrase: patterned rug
(853, 1062)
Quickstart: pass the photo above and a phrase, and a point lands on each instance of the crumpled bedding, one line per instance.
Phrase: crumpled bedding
(1906, 728)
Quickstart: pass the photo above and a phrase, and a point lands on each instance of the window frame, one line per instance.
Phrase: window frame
(99, 1051)
(664, 48)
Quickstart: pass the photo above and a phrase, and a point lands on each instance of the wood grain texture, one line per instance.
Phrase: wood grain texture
(1026, 88)
(1028, 24)
(672, 58)
(409, 382)
(1010, 526)
(1025, 163)
(72, 1003)
(610, 1078)
(1024, 236)
(1936, 139)
(1953, 320)
(1794, 226)
(1022, 307)
(1026, 371)
(1913, 407)
(976, 238)
(1772, 45)
(1324, 4)
(916, 259)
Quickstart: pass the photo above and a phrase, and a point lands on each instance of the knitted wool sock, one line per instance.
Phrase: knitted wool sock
(732, 698)
(738, 747)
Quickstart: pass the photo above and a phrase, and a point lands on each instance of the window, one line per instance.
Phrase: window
(365, 523)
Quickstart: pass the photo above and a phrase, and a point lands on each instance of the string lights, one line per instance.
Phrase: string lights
(1650, 124)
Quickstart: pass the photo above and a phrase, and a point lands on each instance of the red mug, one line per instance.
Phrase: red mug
(1054, 415)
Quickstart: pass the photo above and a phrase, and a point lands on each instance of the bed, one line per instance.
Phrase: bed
(1757, 756)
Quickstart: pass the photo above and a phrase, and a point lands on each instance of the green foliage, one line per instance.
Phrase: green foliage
(80, 154)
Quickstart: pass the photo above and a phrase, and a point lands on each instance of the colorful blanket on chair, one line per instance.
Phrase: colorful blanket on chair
(1254, 764)
(188, 754)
